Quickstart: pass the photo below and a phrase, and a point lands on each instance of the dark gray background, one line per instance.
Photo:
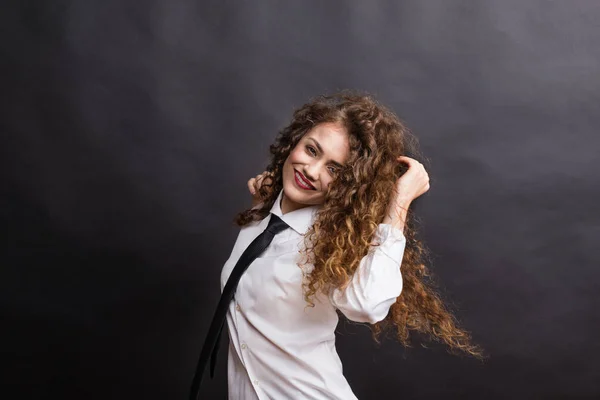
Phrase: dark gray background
(129, 130)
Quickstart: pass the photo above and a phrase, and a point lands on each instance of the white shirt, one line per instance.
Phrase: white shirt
(281, 349)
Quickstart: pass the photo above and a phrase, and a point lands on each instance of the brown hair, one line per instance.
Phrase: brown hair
(355, 203)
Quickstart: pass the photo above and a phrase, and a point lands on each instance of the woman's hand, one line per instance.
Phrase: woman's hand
(254, 185)
(412, 184)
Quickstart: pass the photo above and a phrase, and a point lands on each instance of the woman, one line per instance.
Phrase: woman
(340, 178)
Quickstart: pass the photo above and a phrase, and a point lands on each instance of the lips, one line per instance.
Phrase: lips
(302, 181)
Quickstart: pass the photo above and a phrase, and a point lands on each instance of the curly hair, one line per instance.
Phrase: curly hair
(355, 203)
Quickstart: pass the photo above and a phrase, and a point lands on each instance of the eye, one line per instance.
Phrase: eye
(311, 150)
(333, 170)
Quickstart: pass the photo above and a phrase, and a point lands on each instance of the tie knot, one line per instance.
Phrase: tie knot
(276, 225)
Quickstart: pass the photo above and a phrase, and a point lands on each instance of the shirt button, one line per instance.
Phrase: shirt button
(237, 307)
(244, 345)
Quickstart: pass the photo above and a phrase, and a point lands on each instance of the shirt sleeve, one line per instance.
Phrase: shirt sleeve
(377, 281)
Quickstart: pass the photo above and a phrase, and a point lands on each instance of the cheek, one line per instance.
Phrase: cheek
(298, 156)
(326, 182)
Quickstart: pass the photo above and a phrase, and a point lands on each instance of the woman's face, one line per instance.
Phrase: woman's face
(313, 164)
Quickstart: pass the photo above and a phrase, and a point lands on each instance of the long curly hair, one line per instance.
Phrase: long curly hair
(355, 203)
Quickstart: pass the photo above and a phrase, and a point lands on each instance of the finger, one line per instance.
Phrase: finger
(251, 187)
(407, 160)
(413, 164)
(265, 177)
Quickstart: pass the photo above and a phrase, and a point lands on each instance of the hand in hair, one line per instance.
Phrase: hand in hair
(412, 184)
(254, 185)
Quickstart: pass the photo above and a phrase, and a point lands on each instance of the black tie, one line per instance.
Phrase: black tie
(210, 347)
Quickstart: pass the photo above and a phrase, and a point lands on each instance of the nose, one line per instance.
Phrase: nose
(311, 172)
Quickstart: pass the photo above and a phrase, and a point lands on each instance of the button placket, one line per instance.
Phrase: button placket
(244, 355)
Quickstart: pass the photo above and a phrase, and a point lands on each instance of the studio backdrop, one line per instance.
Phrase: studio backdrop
(129, 130)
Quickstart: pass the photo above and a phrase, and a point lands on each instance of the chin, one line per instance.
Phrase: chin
(293, 193)
(299, 196)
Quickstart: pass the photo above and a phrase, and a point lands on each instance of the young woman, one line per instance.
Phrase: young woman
(340, 178)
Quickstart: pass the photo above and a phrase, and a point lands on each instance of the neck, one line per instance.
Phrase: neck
(287, 205)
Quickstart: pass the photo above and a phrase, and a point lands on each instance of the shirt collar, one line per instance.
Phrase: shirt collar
(299, 220)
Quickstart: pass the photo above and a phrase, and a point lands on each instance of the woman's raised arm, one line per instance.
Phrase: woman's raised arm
(377, 281)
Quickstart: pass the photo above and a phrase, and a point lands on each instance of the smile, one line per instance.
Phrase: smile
(302, 181)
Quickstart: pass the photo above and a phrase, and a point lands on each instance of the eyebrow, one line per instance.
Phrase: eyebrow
(337, 164)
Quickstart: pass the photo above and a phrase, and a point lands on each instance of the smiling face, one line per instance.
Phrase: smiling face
(312, 165)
